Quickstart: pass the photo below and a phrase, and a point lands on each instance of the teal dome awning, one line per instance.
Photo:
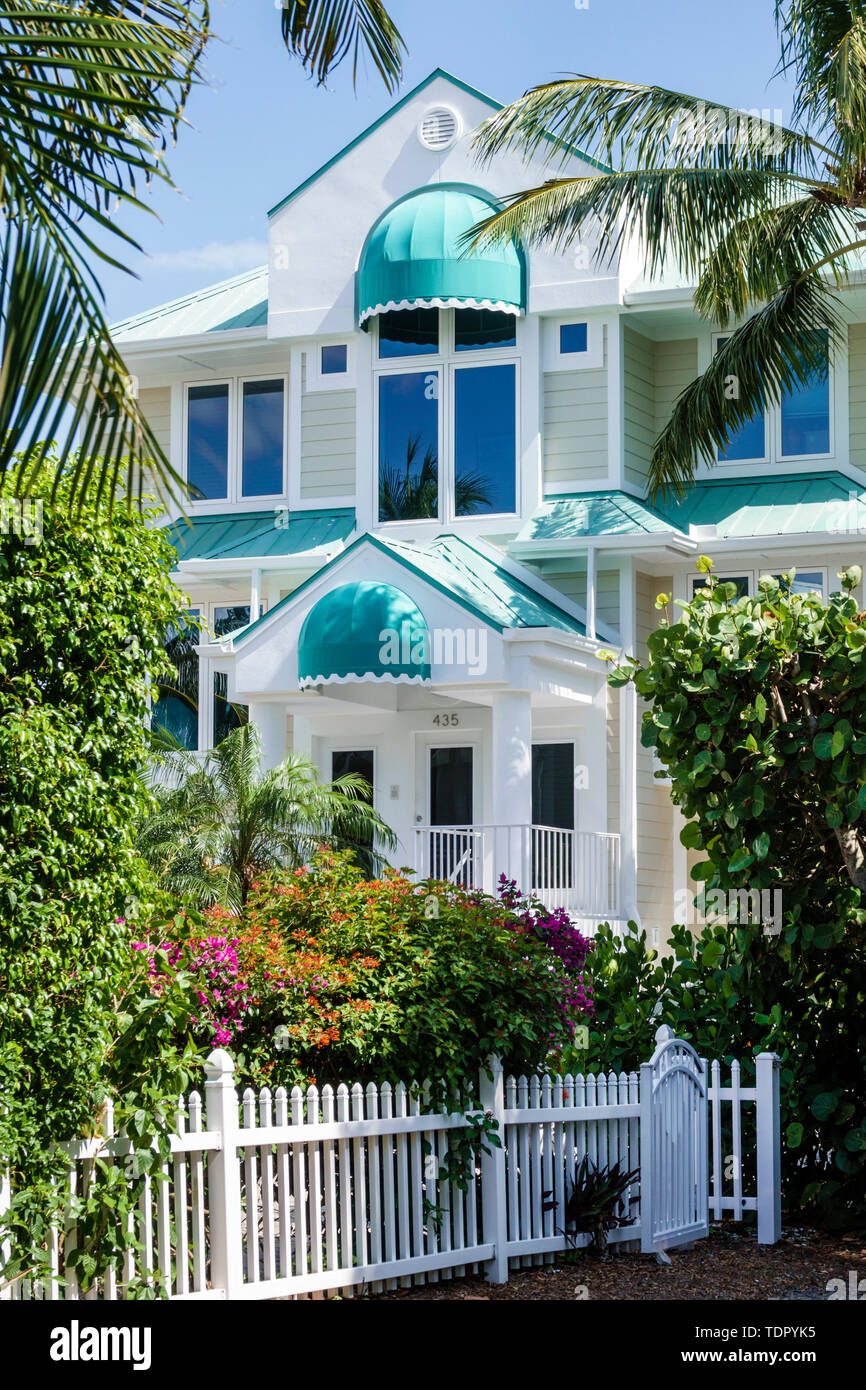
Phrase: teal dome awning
(415, 258)
(366, 631)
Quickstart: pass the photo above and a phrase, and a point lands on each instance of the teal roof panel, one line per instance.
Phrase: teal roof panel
(241, 302)
(243, 535)
(781, 505)
(585, 515)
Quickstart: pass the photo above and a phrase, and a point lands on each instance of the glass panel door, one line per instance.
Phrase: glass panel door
(552, 811)
(451, 849)
(361, 762)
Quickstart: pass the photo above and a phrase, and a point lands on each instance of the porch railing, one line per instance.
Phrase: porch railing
(578, 870)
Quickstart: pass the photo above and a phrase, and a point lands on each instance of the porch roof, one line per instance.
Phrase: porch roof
(590, 514)
(462, 572)
(787, 504)
(240, 535)
(241, 302)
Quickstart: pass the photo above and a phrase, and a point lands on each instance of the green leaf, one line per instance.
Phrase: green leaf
(794, 1135)
(741, 860)
(824, 1104)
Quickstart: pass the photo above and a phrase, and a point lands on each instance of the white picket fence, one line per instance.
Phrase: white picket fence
(296, 1195)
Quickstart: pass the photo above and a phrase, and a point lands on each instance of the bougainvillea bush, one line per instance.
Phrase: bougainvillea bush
(330, 976)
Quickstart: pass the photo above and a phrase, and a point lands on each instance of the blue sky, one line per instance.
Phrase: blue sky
(261, 126)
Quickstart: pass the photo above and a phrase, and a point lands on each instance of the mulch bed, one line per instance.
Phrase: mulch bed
(729, 1265)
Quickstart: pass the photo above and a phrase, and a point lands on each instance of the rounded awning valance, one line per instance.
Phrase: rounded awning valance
(366, 631)
(415, 257)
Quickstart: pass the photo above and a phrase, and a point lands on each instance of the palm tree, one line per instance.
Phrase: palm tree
(765, 220)
(221, 821)
(409, 493)
(91, 93)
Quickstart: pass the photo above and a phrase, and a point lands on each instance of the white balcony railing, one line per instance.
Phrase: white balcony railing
(578, 870)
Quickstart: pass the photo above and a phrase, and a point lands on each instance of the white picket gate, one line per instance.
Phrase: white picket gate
(674, 1118)
(276, 1196)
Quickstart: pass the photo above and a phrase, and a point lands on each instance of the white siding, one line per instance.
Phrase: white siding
(675, 365)
(575, 427)
(328, 429)
(857, 392)
(655, 811)
(639, 429)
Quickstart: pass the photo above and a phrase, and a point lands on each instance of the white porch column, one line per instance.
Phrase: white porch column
(270, 720)
(511, 754)
(628, 725)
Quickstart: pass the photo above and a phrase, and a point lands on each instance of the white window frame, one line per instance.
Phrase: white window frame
(557, 361)
(234, 477)
(317, 380)
(773, 426)
(446, 361)
(752, 577)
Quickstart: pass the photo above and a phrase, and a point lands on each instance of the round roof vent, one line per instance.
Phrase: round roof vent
(439, 128)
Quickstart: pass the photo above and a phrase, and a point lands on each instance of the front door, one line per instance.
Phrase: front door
(552, 812)
(451, 807)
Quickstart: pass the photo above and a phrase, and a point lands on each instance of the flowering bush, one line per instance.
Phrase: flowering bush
(330, 976)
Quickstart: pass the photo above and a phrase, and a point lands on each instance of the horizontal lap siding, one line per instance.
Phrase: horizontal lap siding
(328, 441)
(857, 392)
(638, 406)
(655, 812)
(613, 819)
(676, 364)
(575, 427)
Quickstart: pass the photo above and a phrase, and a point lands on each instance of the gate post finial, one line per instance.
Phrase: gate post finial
(664, 1033)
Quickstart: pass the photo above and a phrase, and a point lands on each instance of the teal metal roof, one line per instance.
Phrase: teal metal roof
(584, 515)
(364, 631)
(392, 111)
(788, 504)
(462, 573)
(415, 255)
(241, 302)
(244, 534)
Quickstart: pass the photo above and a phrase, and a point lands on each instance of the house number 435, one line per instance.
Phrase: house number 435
(446, 721)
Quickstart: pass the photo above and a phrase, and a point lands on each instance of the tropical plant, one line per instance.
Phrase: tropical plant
(220, 821)
(763, 219)
(91, 94)
(755, 708)
(597, 1201)
(407, 493)
(84, 606)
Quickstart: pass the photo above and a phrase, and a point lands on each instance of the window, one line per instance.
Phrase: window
(208, 440)
(227, 716)
(230, 458)
(360, 763)
(553, 785)
(799, 427)
(805, 581)
(409, 332)
(447, 428)
(572, 337)
(262, 466)
(176, 707)
(335, 359)
(485, 439)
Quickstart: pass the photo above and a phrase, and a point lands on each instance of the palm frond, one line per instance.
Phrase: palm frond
(90, 99)
(675, 215)
(823, 49)
(322, 33)
(780, 347)
(627, 124)
(761, 253)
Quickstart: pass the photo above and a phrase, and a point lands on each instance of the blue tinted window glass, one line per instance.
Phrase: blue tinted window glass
(572, 337)
(748, 441)
(335, 359)
(208, 440)
(481, 328)
(485, 440)
(408, 446)
(408, 332)
(806, 416)
(226, 716)
(176, 706)
(263, 439)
